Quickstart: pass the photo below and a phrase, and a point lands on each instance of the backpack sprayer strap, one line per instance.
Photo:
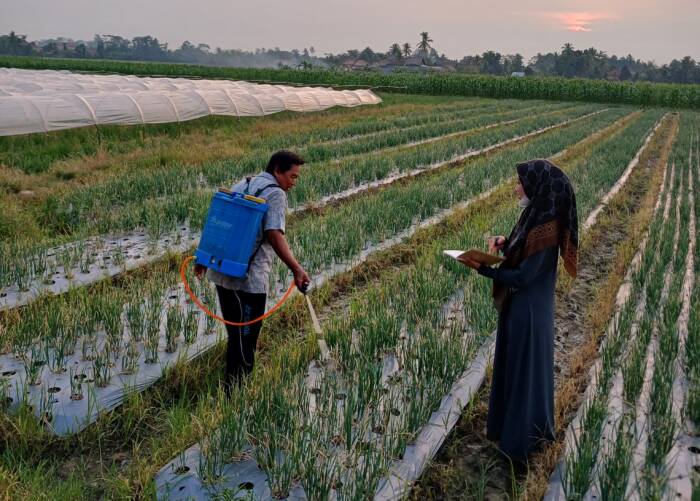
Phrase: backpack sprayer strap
(257, 194)
(247, 185)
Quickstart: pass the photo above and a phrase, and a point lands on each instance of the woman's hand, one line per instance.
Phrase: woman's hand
(496, 243)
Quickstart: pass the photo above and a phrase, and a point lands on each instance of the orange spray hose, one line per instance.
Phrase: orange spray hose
(206, 310)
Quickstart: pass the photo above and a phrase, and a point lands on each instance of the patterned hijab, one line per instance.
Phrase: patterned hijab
(550, 220)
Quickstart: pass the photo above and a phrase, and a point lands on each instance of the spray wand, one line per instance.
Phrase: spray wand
(325, 352)
(323, 347)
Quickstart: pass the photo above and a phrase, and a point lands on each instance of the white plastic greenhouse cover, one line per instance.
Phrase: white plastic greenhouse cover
(47, 100)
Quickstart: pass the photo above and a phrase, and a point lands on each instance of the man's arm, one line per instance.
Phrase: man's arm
(279, 243)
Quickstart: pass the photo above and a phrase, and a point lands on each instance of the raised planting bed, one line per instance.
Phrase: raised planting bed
(383, 470)
(54, 270)
(63, 324)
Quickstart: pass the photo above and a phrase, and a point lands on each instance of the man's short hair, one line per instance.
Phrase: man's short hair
(283, 160)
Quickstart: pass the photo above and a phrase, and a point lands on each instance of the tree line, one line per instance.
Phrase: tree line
(569, 62)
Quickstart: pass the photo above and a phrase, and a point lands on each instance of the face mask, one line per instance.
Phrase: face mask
(523, 202)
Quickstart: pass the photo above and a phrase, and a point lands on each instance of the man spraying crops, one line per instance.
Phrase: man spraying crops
(244, 299)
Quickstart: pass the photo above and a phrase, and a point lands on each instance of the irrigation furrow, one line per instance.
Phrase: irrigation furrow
(429, 140)
(429, 436)
(66, 421)
(319, 279)
(639, 422)
(135, 250)
(451, 135)
(643, 411)
(616, 404)
(555, 489)
(438, 165)
(680, 460)
(369, 128)
(593, 216)
(171, 484)
(426, 118)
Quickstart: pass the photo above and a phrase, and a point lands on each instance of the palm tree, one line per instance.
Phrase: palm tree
(424, 44)
(395, 51)
(406, 50)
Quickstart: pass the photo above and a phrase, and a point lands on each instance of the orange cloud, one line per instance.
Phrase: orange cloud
(577, 21)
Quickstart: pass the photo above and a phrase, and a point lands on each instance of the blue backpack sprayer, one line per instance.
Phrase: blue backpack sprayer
(230, 232)
(227, 246)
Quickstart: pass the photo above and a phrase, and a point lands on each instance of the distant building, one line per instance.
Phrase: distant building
(385, 65)
(391, 64)
(62, 44)
(355, 65)
(518, 74)
(414, 64)
(613, 74)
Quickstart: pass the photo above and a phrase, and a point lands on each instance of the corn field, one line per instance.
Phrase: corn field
(633, 93)
(110, 376)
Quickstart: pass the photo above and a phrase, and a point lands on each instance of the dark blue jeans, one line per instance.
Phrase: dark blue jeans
(239, 306)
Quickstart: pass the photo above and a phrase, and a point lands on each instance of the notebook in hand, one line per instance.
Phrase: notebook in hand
(475, 255)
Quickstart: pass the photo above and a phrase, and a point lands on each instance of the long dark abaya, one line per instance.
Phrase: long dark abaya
(521, 405)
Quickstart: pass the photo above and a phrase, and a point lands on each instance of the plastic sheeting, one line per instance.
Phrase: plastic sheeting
(141, 253)
(46, 100)
(181, 478)
(53, 395)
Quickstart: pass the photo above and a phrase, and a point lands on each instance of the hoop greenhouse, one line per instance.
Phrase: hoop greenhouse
(45, 100)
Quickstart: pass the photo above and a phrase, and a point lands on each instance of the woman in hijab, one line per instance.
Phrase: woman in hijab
(521, 405)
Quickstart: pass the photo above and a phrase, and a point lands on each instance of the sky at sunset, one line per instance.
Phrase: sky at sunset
(648, 29)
